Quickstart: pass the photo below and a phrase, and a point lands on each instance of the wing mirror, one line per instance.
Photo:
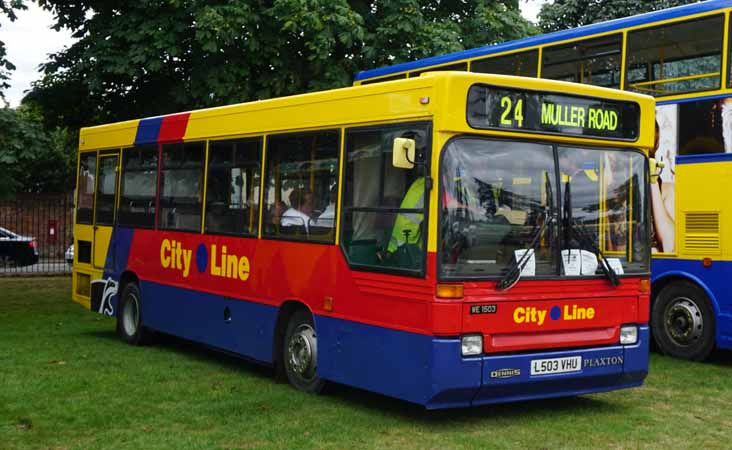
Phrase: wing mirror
(403, 152)
(655, 167)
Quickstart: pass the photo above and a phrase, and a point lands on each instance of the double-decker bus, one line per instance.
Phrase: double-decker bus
(450, 240)
(681, 57)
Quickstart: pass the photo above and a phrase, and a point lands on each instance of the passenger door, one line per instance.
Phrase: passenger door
(84, 229)
(105, 205)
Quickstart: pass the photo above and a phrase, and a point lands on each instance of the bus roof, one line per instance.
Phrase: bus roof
(587, 30)
(396, 100)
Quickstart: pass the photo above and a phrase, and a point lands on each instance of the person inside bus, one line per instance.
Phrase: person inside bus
(327, 217)
(278, 209)
(407, 229)
(302, 204)
(662, 209)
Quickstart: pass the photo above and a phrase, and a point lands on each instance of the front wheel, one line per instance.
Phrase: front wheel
(683, 321)
(300, 353)
(129, 316)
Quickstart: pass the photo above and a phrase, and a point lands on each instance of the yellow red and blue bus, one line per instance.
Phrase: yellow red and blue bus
(440, 239)
(681, 57)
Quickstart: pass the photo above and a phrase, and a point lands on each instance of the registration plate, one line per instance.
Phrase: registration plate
(556, 365)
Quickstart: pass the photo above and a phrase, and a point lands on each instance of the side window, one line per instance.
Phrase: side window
(522, 64)
(463, 66)
(232, 186)
(139, 184)
(677, 58)
(729, 56)
(181, 186)
(106, 189)
(384, 208)
(591, 61)
(379, 80)
(301, 186)
(85, 188)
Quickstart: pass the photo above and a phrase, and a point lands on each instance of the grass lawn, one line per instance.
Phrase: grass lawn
(67, 382)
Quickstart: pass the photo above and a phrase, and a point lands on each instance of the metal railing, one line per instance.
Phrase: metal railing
(36, 234)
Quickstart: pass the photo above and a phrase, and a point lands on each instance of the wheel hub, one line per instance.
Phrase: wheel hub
(684, 321)
(302, 350)
(131, 315)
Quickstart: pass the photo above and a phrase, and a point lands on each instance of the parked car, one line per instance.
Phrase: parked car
(69, 255)
(21, 250)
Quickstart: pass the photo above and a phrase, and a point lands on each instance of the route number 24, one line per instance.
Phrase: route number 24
(508, 108)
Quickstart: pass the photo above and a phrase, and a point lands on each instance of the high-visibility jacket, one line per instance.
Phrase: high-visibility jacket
(414, 199)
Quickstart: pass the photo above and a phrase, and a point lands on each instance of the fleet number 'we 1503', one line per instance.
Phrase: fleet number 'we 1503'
(556, 365)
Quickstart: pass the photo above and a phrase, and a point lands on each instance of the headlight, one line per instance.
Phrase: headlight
(471, 345)
(628, 334)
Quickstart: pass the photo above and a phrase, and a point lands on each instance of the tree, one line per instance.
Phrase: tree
(564, 14)
(151, 57)
(7, 8)
(31, 158)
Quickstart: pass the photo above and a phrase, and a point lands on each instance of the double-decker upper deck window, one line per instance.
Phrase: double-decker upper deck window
(591, 61)
(384, 208)
(677, 58)
(301, 186)
(380, 80)
(139, 184)
(462, 66)
(181, 186)
(232, 192)
(85, 188)
(522, 64)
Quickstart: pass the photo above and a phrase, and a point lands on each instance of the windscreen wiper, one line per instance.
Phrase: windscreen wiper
(514, 270)
(571, 226)
(579, 232)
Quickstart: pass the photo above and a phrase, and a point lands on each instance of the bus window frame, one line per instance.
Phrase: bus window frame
(161, 181)
(429, 127)
(453, 66)
(655, 26)
(597, 37)
(78, 191)
(122, 171)
(118, 179)
(529, 50)
(560, 226)
(204, 218)
(266, 158)
(398, 76)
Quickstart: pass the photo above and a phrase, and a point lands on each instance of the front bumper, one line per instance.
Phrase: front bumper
(507, 378)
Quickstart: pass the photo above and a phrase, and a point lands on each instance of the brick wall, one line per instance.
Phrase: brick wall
(30, 214)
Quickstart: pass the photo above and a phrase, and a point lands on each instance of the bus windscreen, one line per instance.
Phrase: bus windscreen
(548, 112)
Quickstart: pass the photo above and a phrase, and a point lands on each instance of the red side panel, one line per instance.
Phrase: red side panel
(532, 315)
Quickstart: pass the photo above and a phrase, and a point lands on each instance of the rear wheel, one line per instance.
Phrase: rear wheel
(129, 316)
(683, 321)
(300, 353)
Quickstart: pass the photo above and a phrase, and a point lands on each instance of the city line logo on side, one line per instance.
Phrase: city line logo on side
(530, 314)
(173, 255)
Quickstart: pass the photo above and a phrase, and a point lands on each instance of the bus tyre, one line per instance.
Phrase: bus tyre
(683, 321)
(300, 353)
(129, 316)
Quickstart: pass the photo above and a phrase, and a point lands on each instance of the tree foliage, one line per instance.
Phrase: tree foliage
(150, 57)
(564, 14)
(33, 159)
(7, 9)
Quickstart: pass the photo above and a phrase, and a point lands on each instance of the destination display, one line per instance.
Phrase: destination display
(548, 112)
